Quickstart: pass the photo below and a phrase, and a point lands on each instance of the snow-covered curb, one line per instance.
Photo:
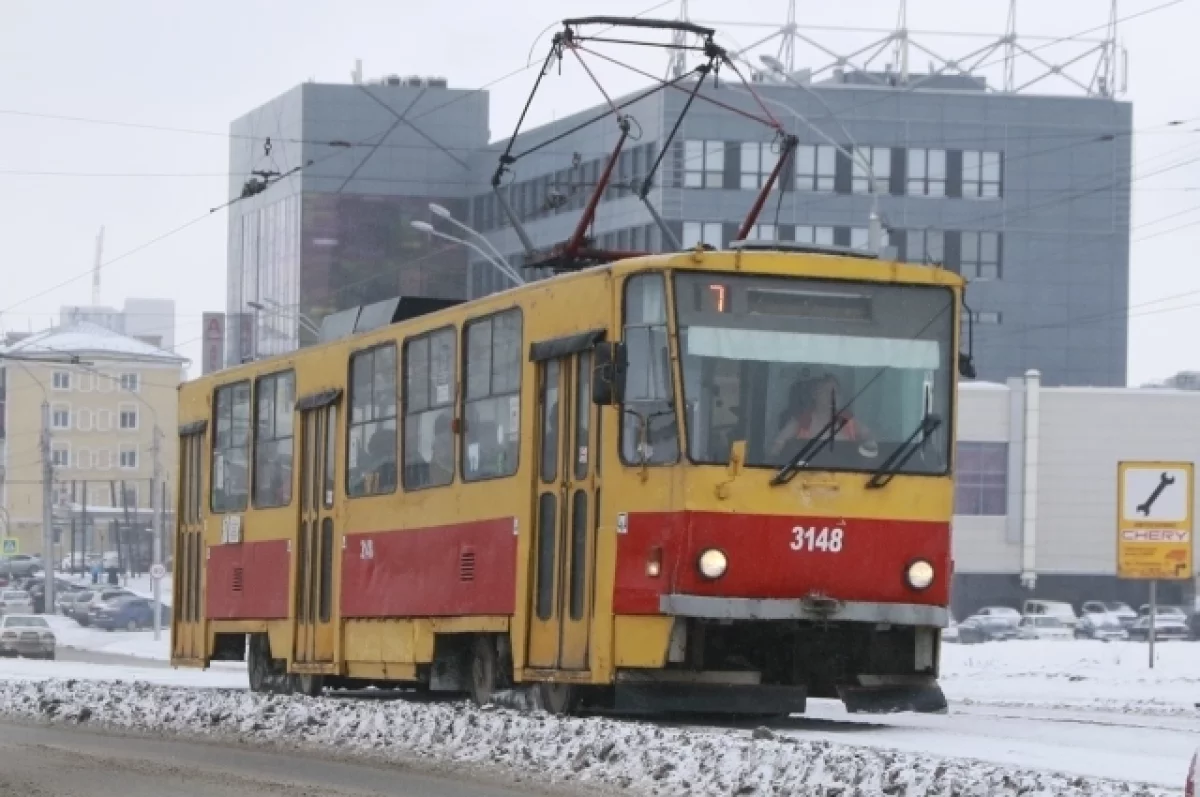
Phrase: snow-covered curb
(644, 758)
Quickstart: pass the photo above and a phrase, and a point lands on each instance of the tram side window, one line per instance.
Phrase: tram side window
(231, 449)
(429, 410)
(371, 468)
(649, 428)
(492, 406)
(276, 398)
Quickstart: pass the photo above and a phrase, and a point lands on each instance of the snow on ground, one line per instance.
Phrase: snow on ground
(139, 644)
(14, 671)
(645, 758)
(1082, 674)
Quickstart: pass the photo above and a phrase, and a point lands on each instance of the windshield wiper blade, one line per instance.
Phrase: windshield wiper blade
(904, 452)
(801, 458)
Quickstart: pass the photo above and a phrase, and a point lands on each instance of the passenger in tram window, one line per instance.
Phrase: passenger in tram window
(810, 407)
(441, 460)
(381, 451)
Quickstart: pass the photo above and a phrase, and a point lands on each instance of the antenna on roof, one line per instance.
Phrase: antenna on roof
(96, 267)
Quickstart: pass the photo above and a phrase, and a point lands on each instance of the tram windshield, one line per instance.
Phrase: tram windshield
(772, 361)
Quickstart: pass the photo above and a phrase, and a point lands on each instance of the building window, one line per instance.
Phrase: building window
(429, 410)
(372, 423)
(762, 232)
(860, 238)
(808, 234)
(980, 259)
(130, 382)
(128, 417)
(128, 495)
(275, 396)
(60, 416)
(86, 383)
(927, 172)
(926, 246)
(83, 459)
(758, 161)
(84, 420)
(981, 479)
(103, 460)
(231, 448)
(103, 420)
(816, 167)
(981, 175)
(492, 404)
(703, 164)
(62, 380)
(60, 455)
(879, 159)
(709, 232)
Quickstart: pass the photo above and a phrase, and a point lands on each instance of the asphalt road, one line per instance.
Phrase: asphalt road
(40, 761)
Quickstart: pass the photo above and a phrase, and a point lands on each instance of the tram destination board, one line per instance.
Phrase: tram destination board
(1154, 520)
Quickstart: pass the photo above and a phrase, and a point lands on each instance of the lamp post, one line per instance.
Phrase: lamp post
(275, 308)
(498, 264)
(444, 212)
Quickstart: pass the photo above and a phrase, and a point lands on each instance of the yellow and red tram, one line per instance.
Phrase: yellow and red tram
(714, 480)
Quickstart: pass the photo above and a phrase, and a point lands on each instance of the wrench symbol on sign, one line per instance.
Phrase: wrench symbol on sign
(1163, 483)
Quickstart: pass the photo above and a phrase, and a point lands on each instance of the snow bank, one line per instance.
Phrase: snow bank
(645, 758)
(1112, 676)
(31, 670)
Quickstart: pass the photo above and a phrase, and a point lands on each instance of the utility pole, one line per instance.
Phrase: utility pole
(156, 516)
(47, 511)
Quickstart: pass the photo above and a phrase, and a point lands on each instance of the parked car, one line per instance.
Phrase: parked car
(1044, 626)
(1104, 626)
(15, 601)
(1063, 611)
(130, 612)
(36, 587)
(1119, 609)
(26, 635)
(950, 632)
(1161, 610)
(985, 628)
(19, 565)
(83, 610)
(1166, 626)
(76, 605)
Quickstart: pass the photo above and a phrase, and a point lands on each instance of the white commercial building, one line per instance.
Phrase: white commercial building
(1036, 499)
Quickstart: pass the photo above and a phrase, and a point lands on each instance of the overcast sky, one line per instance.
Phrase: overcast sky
(197, 66)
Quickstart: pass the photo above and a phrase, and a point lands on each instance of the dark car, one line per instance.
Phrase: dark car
(19, 565)
(36, 587)
(129, 612)
(985, 628)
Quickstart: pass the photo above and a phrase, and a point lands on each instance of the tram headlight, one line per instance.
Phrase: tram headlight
(919, 574)
(712, 563)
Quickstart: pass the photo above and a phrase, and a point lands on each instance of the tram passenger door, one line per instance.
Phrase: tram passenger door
(315, 538)
(565, 528)
(188, 637)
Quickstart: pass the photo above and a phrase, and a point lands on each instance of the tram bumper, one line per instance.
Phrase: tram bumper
(811, 609)
(894, 694)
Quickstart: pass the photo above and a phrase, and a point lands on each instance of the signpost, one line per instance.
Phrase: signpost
(10, 546)
(158, 572)
(1154, 525)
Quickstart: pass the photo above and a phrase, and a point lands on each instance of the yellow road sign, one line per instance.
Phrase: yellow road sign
(1154, 520)
(9, 546)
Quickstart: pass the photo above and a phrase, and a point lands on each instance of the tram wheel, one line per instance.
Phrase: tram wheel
(308, 685)
(484, 671)
(555, 698)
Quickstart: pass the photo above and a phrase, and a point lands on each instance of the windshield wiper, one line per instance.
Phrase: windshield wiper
(904, 452)
(801, 458)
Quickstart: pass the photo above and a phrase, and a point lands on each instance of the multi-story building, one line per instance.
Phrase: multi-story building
(149, 320)
(348, 168)
(104, 415)
(1026, 195)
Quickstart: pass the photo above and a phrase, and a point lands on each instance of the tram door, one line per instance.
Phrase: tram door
(188, 630)
(315, 537)
(565, 529)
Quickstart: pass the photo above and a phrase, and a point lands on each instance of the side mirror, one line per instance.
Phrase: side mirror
(966, 360)
(608, 373)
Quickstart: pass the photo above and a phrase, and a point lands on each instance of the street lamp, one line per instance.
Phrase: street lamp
(444, 212)
(498, 264)
(269, 305)
(875, 228)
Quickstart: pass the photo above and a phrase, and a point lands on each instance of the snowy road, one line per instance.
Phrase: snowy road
(73, 762)
(1098, 744)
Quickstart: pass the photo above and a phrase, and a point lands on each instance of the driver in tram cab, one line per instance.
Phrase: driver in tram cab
(811, 405)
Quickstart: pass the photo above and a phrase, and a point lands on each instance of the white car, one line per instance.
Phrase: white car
(1119, 609)
(1062, 610)
(1104, 626)
(1044, 626)
(15, 601)
(26, 635)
